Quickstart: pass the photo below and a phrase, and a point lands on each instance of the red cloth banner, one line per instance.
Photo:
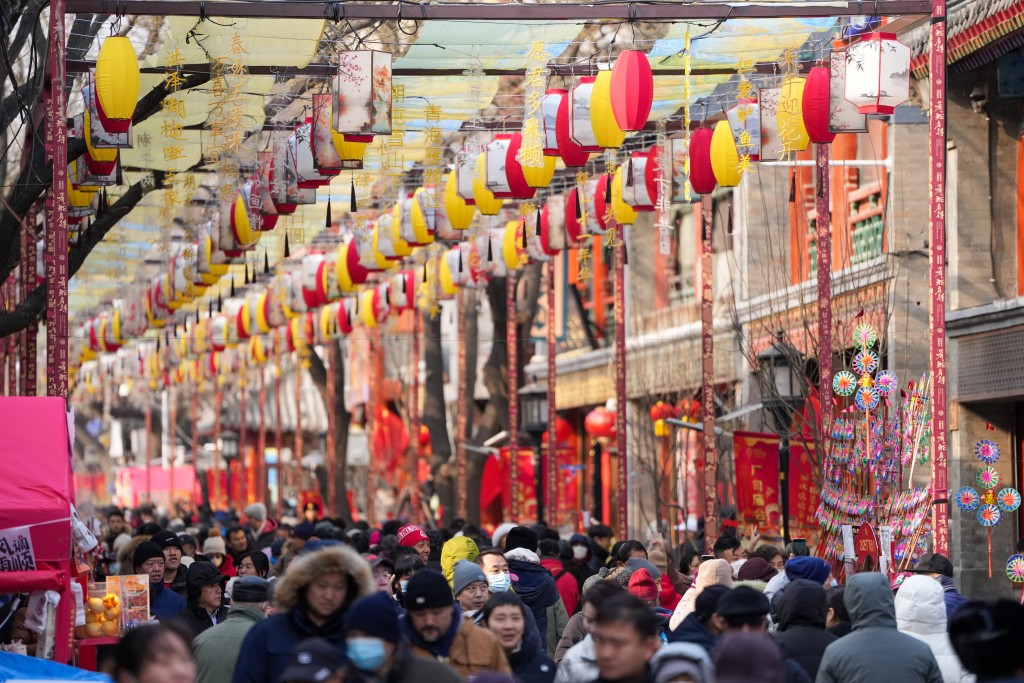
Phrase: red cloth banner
(757, 485)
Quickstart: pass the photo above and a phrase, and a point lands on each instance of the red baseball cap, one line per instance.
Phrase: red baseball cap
(410, 534)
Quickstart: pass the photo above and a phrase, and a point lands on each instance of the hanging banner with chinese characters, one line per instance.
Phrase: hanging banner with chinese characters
(756, 458)
(16, 553)
(531, 153)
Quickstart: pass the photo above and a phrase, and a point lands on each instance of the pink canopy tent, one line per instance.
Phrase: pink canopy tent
(36, 491)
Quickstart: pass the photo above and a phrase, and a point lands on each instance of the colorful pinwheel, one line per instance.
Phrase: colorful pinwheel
(987, 451)
(865, 362)
(988, 477)
(1015, 568)
(867, 398)
(967, 498)
(1008, 499)
(864, 336)
(886, 382)
(989, 515)
(844, 383)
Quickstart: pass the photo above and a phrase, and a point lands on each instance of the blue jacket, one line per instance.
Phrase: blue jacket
(163, 603)
(530, 663)
(268, 645)
(692, 631)
(952, 596)
(536, 588)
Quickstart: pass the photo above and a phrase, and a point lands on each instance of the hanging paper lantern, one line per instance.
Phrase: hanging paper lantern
(790, 119)
(423, 216)
(600, 423)
(540, 176)
(632, 90)
(511, 241)
(602, 119)
(573, 223)
(639, 183)
(486, 202)
(745, 120)
(877, 73)
(572, 154)
(519, 185)
(383, 252)
(446, 274)
(117, 83)
(351, 148)
(100, 161)
(459, 213)
(403, 290)
(257, 354)
(580, 101)
(356, 270)
(495, 166)
(241, 225)
(724, 157)
(623, 213)
(549, 105)
(344, 317)
(815, 105)
(314, 280)
(702, 176)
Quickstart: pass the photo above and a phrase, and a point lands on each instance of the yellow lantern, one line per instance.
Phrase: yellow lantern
(256, 351)
(724, 157)
(366, 308)
(486, 202)
(77, 199)
(446, 278)
(602, 119)
(419, 221)
(259, 312)
(402, 248)
(102, 156)
(241, 223)
(117, 79)
(792, 131)
(341, 269)
(459, 213)
(624, 213)
(540, 176)
(348, 150)
(218, 269)
(510, 240)
(326, 319)
(380, 261)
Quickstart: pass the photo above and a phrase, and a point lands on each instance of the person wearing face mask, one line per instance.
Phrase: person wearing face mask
(435, 628)
(469, 586)
(534, 584)
(499, 580)
(377, 651)
(505, 616)
(215, 550)
(581, 554)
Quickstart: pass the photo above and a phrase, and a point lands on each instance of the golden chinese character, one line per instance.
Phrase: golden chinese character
(433, 113)
(398, 92)
(535, 77)
(236, 47)
(744, 165)
(174, 59)
(174, 81)
(173, 106)
(537, 52)
(745, 89)
(172, 130)
(173, 153)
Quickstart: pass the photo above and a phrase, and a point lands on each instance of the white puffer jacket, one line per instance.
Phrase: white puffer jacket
(921, 613)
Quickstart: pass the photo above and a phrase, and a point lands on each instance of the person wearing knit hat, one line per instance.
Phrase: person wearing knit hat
(742, 609)
(534, 584)
(149, 559)
(174, 574)
(643, 586)
(216, 649)
(293, 546)
(711, 573)
(263, 528)
(215, 550)
(412, 536)
(433, 627)
(469, 586)
(811, 568)
(521, 537)
(756, 569)
(669, 596)
(375, 646)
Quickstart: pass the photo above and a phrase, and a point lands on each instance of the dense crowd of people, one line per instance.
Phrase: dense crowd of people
(257, 601)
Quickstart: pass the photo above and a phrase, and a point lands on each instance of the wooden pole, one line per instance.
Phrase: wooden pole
(709, 480)
(622, 464)
(937, 269)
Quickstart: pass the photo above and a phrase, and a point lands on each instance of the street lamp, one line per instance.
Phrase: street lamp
(228, 451)
(533, 412)
(782, 382)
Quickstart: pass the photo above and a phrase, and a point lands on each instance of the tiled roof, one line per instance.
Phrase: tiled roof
(977, 31)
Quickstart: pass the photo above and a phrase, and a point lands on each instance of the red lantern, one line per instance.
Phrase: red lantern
(545, 232)
(344, 318)
(632, 90)
(815, 105)
(424, 436)
(518, 187)
(702, 177)
(356, 271)
(563, 431)
(600, 205)
(600, 423)
(573, 227)
(572, 154)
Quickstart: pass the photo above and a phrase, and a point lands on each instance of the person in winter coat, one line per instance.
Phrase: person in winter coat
(987, 637)
(837, 619)
(174, 572)
(262, 527)
(454, 550)
(600, 541)
(504, 615)
(579, 625)
(148, 559)
(205, 608)
(626, 636)
(580, 545)
(711, 573)
(801, 635)
(215, 550)
(669, 595)
(748, 657)
(921, 613)
(535, 586)
(568, 586)
(216, 649)
(938, 567)
(698, 627)
(682, 662)
(875, 651)
(377, 651)
(434, 627)
(311, 600)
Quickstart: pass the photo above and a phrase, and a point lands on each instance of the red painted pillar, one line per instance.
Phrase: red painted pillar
(332, 484)
(824, 244)
(619, 312)
(414, 417)
(552, 404)
(707, 347)
(56, 242)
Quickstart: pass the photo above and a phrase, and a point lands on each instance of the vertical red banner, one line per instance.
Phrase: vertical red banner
(512, 339)
(554, 498)
(332, 482)
(804, 491)
(56, 242)
(823, 238)
(28, 280)
(414, 418)
(622, 459)
(937, 269)
(756, 458)
(707, 352)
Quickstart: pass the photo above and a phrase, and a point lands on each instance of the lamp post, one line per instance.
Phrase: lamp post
(533, 420)
(781, 382)
(228, 451)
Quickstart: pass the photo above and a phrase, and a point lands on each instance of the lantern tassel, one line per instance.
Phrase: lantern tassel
(387, 296)
(523, 226)
(245, 265)
(220, 303)
(625, 254)
(490, 253)
(538, 222)
(352, 195)
(608, 190)
(629, 173)
(579, 208)
(459, 260)
(792, 188)
(209, 310)
(327, 222)
(424, 273)
(266, 263)
(287, 251)
(232, 286)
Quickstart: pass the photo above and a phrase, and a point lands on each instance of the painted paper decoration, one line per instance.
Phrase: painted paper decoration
(602, 119)
(877, 73)
(573, 156)
(1008, 499)
(864, 336)
(745, 121)
(865, 362)
(326, 159)
(989, 515)
(1015, 568)
(465, 172)
(639, 188)
(299, 146)
(632, 90)
(886, 382)
(792, 132)
(724, 157)
(486, 202)
(988, 477)
(515, 172)
(866, 399)
(496, 165)
(768, 109)
(844, 383)
(549, 106)
(815, 106)
(362, 93)
(581, 131)
(987, 451)
(967, 499)
(702, 176)
(843, 116)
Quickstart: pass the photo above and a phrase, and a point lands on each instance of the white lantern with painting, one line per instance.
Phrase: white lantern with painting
(878, 73)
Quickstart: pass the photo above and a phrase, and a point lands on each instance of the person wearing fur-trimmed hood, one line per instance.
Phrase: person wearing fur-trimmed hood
(311, 600)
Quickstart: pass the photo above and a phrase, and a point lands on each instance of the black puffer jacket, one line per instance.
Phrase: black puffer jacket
(802, 636)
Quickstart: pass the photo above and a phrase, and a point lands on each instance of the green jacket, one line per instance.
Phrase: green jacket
(217, 648)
